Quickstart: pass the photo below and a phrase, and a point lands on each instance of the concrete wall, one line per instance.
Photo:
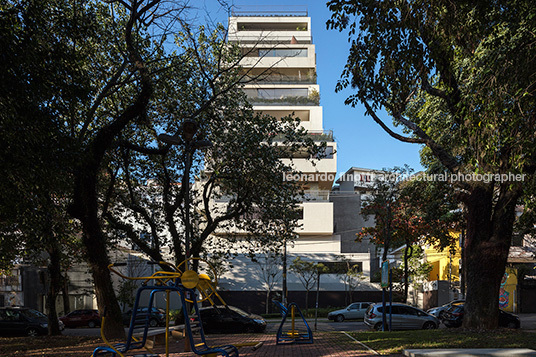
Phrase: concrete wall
(348, 221)
(255, 301)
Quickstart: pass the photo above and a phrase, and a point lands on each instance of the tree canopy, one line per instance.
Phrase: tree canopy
(87, 88)
(409, 212)
(458, 77)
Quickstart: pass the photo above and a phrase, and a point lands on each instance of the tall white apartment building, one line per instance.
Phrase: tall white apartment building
(279, 48)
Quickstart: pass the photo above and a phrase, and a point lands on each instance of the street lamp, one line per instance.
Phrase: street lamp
(188, 130)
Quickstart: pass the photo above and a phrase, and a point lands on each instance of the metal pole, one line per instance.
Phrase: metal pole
(317, 292)
(186, 180)
(285, 291)
(463, 269)
(384, 310)
(390, 299)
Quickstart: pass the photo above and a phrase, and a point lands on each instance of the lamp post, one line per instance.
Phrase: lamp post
(189, 130)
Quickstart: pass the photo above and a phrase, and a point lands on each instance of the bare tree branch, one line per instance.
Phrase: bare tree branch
(405, 139)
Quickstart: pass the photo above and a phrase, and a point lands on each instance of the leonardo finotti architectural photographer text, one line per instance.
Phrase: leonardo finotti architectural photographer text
(393, 177)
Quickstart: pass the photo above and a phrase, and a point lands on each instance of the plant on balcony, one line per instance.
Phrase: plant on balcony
(314, 96)
(311, 75)
(285, 100)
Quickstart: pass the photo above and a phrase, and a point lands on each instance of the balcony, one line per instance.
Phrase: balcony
(283, 96)
(287, 101)
(282, 79)
(316, 135)
(316, 196)
(280, 76)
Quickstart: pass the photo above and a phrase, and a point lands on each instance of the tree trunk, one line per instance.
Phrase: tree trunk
(98, 261)
(307, 301)
(489, 232)
(65, 295)
(54, 287)
(268, 301)
(85, 208)
(407, 254)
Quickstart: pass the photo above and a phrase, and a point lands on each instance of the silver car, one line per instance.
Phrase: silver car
(355, 310)
(441, 310)
(404, 317)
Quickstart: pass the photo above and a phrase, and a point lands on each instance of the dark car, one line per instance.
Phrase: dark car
(80, 318)
(22, 321)
(440, 311)
(454, 318)
(157, 317)
(230, 320)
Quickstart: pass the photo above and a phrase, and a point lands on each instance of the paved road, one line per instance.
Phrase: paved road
(273, 325)
(528, 322)
(324, 325)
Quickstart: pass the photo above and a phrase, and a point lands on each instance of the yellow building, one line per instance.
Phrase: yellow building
(445, 263)
(446, 266)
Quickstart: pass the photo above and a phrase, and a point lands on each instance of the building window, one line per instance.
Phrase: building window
(327, 153)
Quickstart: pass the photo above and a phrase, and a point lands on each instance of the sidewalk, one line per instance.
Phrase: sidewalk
(326, 344)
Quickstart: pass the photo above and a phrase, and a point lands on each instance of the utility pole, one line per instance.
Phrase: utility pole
(285, 292)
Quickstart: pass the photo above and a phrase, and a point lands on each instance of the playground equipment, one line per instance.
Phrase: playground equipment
(186, 284)
(292, 335)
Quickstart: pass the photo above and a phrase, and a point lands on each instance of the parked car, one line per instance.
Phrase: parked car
(454, 318)
(230, 320)
(157, 317)
(440, 311)
(78, 318)
(22, 321)
(404, 317)
(355, 310)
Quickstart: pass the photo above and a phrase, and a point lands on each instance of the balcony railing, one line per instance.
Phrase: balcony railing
(269, 10)
(275, 79)
(316, 196)
(291, 101)
(316, 135)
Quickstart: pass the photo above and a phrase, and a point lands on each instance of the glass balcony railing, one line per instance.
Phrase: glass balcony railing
(316, 196)
(284, 101)
(308, 77)
(316, 135)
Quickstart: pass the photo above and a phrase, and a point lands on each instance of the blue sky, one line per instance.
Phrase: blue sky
(360, 141)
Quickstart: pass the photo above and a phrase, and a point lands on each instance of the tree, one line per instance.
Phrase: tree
(81, 75)
(34, 149)
(352, 276)
(219, 261)
(415, 268)
(308, 273)
(408, 210)
(459, 79)
(126, 294)
(238, 185)
(269, 267)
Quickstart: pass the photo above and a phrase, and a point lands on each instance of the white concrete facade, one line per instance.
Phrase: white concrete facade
(282, 47)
